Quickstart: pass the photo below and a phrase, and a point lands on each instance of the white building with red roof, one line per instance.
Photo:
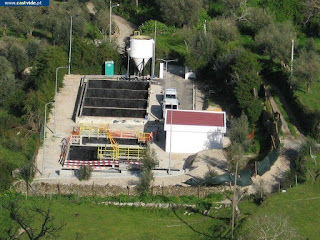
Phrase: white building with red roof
(193, 131)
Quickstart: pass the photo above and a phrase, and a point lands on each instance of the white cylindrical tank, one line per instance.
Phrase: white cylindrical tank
(141, 50)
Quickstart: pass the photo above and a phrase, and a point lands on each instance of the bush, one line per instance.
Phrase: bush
(84, 172)
(254, 110)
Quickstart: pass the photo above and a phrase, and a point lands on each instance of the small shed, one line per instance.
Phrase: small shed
(193, 131)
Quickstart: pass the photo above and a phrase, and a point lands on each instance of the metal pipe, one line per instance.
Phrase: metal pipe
(70, 45)
(44, 134)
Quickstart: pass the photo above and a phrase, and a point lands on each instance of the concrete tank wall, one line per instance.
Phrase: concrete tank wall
(133, 85)
(116, 103)
(107, 112)
(117, 93)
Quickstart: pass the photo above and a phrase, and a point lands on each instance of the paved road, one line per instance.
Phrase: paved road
(175, 78)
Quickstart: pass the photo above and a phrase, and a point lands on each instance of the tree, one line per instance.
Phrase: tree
(310, 10)
(182, 12)
(254, 110)
(102, 21)
(224, 29)
(246, 83)
(36, 221)
(57, 22)
(34, 48)
(267, 227)
(7, 19)
(202, 50)
(85, 172)
(238, 9)
(239, 130)
(257, 19)
(275, 40)
(18, 57)
(306, 163)
(27, 172)
(7, 79)
(27, 20)
(149, 161)
(235, 159)
(307, 67)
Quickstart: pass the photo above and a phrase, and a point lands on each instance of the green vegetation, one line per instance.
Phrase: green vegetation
(298, 204)
(86, 218)
(227, 43)
(286, 117)
(84, 172)
(312, 100)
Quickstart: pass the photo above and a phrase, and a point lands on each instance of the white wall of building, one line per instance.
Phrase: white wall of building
(192, 139)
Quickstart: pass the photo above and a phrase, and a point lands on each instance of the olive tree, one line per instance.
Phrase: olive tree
(182, 12)
(103, 22)
(269, 226)
(275, 40)
(149, 161)
(224, 29)
(7, 79)
(36, 220)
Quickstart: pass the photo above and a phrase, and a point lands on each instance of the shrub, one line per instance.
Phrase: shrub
(84, 172)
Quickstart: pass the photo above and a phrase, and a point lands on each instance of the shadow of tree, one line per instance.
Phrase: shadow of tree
(190, 226)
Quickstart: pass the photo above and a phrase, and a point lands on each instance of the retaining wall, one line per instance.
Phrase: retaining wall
(40, 188)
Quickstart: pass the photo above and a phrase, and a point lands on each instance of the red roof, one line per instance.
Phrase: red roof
(215, 119)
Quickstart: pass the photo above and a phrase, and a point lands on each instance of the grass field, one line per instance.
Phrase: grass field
(300, 204)
(311, 100)
(89, 220)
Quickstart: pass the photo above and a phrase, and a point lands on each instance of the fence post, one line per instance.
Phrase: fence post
(255, 168)
(198, 191)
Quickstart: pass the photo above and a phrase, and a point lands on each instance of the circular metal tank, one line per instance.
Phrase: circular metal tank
(141, 50)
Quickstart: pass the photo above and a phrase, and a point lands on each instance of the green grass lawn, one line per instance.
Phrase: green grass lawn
(300, 204)
(90, 220)
(312, 99)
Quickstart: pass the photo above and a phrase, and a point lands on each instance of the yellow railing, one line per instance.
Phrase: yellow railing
(104, 131)
(122, 153)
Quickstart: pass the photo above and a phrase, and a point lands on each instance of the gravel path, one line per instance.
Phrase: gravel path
(125, 30)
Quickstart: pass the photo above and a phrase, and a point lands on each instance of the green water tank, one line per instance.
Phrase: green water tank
(109, 68)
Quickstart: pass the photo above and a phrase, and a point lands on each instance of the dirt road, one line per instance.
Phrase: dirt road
(125, 29)
(289, 151)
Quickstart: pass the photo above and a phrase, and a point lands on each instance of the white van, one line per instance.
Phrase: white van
(170, 100)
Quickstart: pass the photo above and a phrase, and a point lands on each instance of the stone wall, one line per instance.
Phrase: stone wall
(41, 188)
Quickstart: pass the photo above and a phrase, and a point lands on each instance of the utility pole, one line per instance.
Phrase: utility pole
(116, 5)
(291, 69)
(70, 39)
(154, 50)
(234, 200)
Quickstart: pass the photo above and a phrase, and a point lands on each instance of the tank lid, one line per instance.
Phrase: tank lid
(142, 37)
